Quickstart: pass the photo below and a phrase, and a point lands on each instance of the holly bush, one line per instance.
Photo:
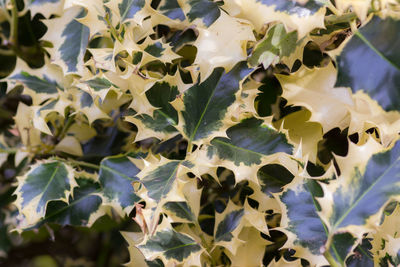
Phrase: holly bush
(205, 133)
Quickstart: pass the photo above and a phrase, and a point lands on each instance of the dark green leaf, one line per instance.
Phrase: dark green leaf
(206, 103)
(228, 224)
(248, 141)
(117, 173)
(370, 61)
(172, 244)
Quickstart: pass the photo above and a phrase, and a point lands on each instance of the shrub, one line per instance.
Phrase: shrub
(234, 133)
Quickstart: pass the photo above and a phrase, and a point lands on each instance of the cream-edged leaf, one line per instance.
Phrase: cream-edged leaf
(223, 44)
(370, 61)
(301, 222)
(169, 245)
(293, 14)
(82, 209)
(276, 44)
(45, 182)
(70, 39)
(116, 176)
(204, 105)
(355, 201)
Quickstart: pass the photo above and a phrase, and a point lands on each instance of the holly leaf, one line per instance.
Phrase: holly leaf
(45, 7)
(251, 252)
(171, 9)
(249, 144)
(83, 207)
(204, 106)
(46, 181)
(205, 10)
(222, 44)
(303, 87)
(165, 117)
(370, 61)
(355, 201)
(116, 175)
(293, 14)
(70, 39)
(306, 232)
(276, 44)
(169, 245)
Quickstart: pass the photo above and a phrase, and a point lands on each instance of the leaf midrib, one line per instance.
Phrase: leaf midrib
(116, 172)
(363, 195)
(123, 17)
(202, 115)
(238, 147)
(371, 46)
(50, 180)
(169, 178)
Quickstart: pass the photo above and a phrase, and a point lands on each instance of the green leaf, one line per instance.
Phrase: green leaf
(38, 85)
(117, 173)
(295, 15)
(356, 198)
(362, 256)
(159, 182)
(171, 244)
(70, 39)
(306, 232)
(180, 209)
(277, 44)
(171, 9)
(273, 177)
(128, 8)
(228, 224)
(165, 117)
(43, 183)
(370, 61)
(205, 104)
(248, 142)
(294, 7)
(206, 10)
(99, 84)
(78, 211)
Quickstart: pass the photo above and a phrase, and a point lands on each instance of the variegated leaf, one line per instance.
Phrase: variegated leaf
(45, 182)
(306, 232)
(276, 44)
(83, 207)
(45, 7)
(169, 245)
(117, 173)
(247, 145)
(293, 14)
(355, 201)
(205, 10)
(171, 9)
(165, 117)
(248, 142)
(70, 39)
(204, 105)
(370, 61)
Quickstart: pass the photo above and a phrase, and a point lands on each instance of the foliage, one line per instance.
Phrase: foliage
(233, 133)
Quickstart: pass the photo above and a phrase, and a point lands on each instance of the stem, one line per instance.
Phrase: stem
(79, 163)
(189, 148)
(14, 24)
(334, 19)
(327, 254)
(68, 124)
(112, 29)
(330, 259)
